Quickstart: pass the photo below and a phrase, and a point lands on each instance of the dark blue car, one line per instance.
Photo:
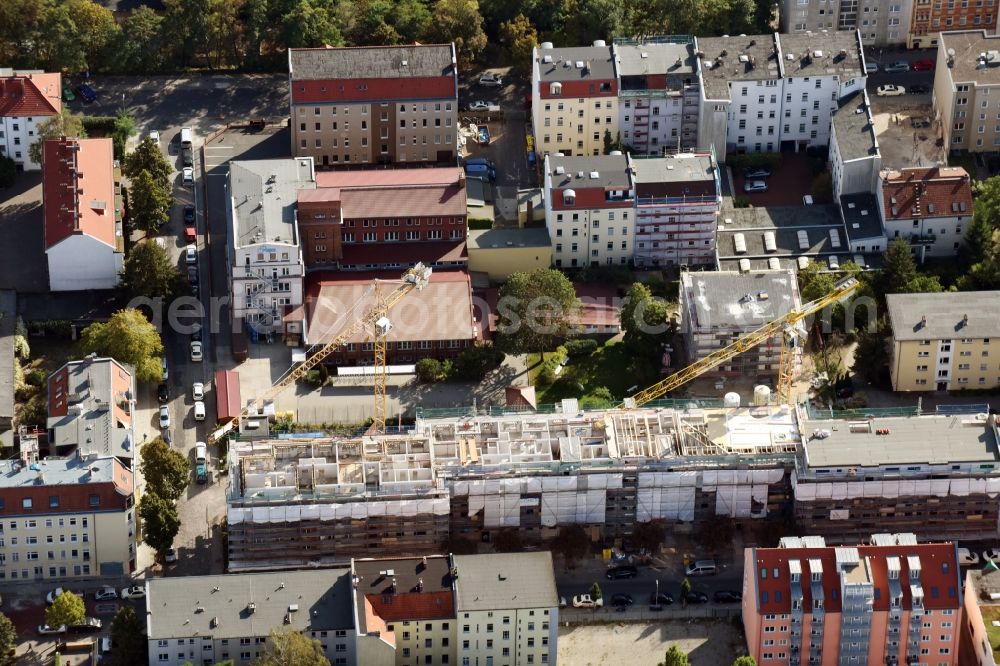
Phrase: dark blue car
(86, 92)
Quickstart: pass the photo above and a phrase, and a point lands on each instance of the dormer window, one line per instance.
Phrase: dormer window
(555, 88)
(569, 197)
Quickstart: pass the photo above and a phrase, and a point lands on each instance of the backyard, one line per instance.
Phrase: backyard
(991, 618)
(610, 367)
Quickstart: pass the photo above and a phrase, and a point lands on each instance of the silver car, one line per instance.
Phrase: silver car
(755, 186)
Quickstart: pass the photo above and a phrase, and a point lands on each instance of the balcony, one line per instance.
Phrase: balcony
(923, 240)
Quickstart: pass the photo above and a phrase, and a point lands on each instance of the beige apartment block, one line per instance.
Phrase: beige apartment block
(967, 91)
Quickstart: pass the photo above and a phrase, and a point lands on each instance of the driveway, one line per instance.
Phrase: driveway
(21, 228)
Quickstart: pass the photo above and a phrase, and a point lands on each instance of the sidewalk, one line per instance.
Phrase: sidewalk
(639, 612)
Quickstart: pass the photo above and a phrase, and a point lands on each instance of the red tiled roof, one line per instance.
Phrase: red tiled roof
(403, 201)
(78, 188)
(30, 95)
(388, 177)
(934, 558)
(412, 606)
(227, 394)
(926, 192)
(403, 253)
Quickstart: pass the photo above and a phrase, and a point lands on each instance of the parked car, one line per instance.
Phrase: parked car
(187, 156)
(661, 599)
(484, 135)
(693, 597)
(196, 354)
(967, 558)
(919, 123)
(187, 177)
(86, 92)
(88, 626)
(478, 105)
(134, 592)
(871, 66)
(755, 186)
(105, 593)
(756, 172)
(196, 332)
(897, 67)
(67, 93)
(46, 629)
(727, 596)
(191, 254)
(192, 274)
(991, 555)
(626, 571)
(164, 417)
(51, 596)
(154, 135)
(918, 89)
(701, 568)
(584, 601)
(924, 65)
(621, 599)
(197, 391)
(474, 161)
(163, 392)
(490, 80)
(890, 90)
(170, 557)
(199, 410)
(201, 462)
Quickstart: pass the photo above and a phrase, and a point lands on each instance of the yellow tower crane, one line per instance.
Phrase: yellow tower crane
(783, 325)
(374, 319)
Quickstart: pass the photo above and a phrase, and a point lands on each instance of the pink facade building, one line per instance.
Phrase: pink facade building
(891, 602)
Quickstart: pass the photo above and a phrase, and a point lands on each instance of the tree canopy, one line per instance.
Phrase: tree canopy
(148, 271)
(160, 523)
(65, 124)
(674, 657)
(166, 470)
(646, 322)
(67, 609)
(127, 337)
(150, 202)
(147, 156)
(287, 647)
(8, 639)
(128, 635)
(745, 660)
(536, 309)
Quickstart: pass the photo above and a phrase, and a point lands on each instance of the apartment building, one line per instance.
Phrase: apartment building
(574, 94)
(71, 517)
(766, 93)
(942, 341)
(720, 306)
(265, 250)
(91, 408)
(855, 158)
(590, 209)
(879, 23)
(404, 608)
(980, 609)
(863, 225)
(935, 475)
(385, 219)
(507, 609)
(928, 206)
(658, 95)
(677, 203)
(211, 619)
(964, 102)
(27, 99)
(438, 321)
(81, 191)
(931, 19)
(374, 104)
(891, 601)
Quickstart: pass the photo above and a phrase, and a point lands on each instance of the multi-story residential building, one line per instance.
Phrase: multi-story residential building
(71, 517)
(928, 206)
(27, 99)
(590, 209)
(765, 93)
(91, 404)
(405, 610)
(935, 475)
(931, 19)
(83, 214)
(893, 601)
(719, 306)
(964, 102)
(855, 158)
(265, 251)
(507, 609)
(880, 22)
(574, 94)
(499, 252)
(942, 341)
(677, 202)
(658, 95)
(384, 220)
(211, 619)
(981, 608)
(437, 321)
(374, 104)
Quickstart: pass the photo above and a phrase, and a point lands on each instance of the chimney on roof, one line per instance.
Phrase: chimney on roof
(923, 321)
(965, 320)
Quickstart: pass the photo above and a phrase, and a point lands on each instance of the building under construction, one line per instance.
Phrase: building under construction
(320, 501)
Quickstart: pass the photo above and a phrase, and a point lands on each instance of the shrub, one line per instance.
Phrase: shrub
(314, 378)
(740, 201)
(99, 126)
(475, 362)
(581, 347)
(429, 370)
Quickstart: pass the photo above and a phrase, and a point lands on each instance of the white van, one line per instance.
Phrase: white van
(166, 373)
(186, 136)
(701, 568)
(199, 411)
(200, 452)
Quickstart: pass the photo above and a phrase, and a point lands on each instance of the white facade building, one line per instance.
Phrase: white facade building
(266, 267)
(27, 99)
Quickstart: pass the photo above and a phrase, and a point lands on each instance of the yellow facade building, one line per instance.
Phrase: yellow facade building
(945, 341)
(500, 252)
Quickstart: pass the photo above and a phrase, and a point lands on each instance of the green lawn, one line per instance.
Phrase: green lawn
(990, 614)
(610, 366)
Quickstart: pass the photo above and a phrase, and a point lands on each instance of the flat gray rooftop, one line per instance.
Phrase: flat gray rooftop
(376, 62)
(855, 128)
(736, 58)
(946, 314)
(264, 196)
(70, 471)
(485, 239)
(665, 58)
(911, 440)
(505, 581)
(823, 53)
(674, 169)
(813, 224)
(611, 170)
(597, 64)
(745, 301)
(861, 217)
(968, 45)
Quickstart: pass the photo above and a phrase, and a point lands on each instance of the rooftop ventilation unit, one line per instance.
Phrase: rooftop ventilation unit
(817, 54)
(803, 239)
(547, 59)
(579, 64)
(834, 238)
(740, 244)
(769, 243)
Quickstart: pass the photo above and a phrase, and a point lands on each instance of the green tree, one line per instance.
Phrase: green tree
(8, 639)
(140, 41)
(65, 124)
(476, 362)
(160, 523)
(187, 30)
(411, 19)
(535, 310)
(311, 24)
(571, 542)
(166, 470)
(583, 21)
(150, 201)
(287, 647)
(745, 660)
(899, 273)
(519, 37)
(459, 21)
(147, 156)
(129, 338)
(96, 30)
(595, 591)
(60, 49)
(685, 588)
(984, 275)
(369, 23)
(8, 171)
(67, 609)
(646, 322)
(124, 128)
(148, 271)
(871, 356)
(20, 25)
(429, 370)
(128, 636)
(674, 657)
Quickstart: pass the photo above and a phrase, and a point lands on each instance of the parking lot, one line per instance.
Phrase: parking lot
(788, 183)
(706, 643)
